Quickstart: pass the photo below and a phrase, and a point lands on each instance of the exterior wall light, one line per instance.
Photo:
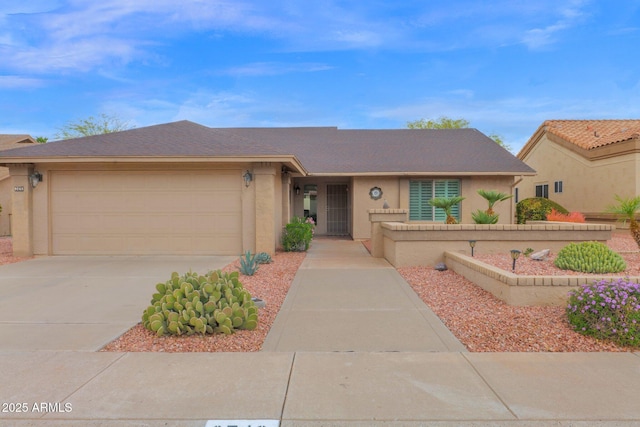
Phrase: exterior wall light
(472, 243)
(248, 177)
(514, 256)
(297, 190)
(35, 178)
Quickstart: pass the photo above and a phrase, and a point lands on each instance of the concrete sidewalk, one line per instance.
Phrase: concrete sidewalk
(341, 378)
(322, 389)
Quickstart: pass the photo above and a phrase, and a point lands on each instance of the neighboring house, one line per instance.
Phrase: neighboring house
(582, 164)
(8, 142)
(183, 188)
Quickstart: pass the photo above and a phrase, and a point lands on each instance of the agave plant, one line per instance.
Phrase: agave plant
(627, 208)
(492, 197)
(446, 204)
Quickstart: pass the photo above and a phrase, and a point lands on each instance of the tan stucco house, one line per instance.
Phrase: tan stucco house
(7, 142)
(582, 164)
(184, 188)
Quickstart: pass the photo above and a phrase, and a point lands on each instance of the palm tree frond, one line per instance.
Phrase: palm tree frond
(626, 207)
(493, 196)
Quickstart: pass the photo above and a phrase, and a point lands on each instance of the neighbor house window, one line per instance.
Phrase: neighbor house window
(420, 192)
(542, 190)
(517, 195)
(557, 187)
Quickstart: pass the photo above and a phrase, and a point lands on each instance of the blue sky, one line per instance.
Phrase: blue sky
(505, 66)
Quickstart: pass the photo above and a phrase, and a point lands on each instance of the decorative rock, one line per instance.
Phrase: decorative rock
(258, 302)
(441, 266)
(540, 255)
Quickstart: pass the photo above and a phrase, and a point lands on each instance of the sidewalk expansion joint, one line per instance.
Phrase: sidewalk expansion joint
(95, 376)
(495, 393)
(286, 392)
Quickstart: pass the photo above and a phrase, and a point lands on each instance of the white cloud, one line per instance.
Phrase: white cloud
(84, 35)
(19, 82)
(569, 15)
(76, 35)
(276, 68)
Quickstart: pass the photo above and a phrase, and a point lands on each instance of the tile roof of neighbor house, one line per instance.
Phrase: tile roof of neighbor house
(590, 134)
(9, 141)
(321, 150)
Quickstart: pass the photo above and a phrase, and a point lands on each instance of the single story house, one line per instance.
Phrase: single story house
(582, 164)
(184, 188)
(7, 142)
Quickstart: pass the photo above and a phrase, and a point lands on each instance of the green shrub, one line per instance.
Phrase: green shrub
(297, 235)
(607, 310)
(248, 264)
(482, 217)
(589, 257)
(192, 304)
(536, 209)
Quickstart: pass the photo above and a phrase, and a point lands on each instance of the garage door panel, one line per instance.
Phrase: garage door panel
(177, 212)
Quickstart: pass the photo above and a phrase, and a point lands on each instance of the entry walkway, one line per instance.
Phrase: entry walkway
(342, 299)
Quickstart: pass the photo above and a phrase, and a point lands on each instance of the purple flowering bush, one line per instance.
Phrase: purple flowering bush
(607, 310)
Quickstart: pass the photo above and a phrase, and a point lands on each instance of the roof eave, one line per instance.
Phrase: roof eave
(426, 173)
(533, 141)
(291, 161)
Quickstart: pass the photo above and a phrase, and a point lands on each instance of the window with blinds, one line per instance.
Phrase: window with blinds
(420, 192)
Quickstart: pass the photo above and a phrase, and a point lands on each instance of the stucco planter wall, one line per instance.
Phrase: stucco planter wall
(411, 244)
(516, 289)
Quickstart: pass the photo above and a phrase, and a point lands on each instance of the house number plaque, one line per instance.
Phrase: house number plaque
(18, 189)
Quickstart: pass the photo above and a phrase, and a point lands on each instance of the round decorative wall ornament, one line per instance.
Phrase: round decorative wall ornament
(375, 193)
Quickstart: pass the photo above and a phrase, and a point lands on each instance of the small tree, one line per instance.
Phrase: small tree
(627, 208)
(441, 123)
(92, 126)
(446, 204)
(445, 122)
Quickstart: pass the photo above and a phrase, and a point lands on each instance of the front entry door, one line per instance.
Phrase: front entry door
(337, 210)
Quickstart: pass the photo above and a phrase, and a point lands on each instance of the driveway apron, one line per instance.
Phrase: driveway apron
(82, 302)
(342, 299)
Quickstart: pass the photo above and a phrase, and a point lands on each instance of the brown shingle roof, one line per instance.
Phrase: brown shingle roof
(332, 150)
(590, 134)
(320, 150)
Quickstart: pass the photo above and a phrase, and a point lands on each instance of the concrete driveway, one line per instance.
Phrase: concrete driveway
(82, 303)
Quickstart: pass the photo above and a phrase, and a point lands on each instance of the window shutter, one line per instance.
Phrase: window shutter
(415, 198)
(441, 191)
(453, 190)
(420, 192)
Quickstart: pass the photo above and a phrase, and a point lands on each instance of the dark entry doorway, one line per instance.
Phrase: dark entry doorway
(337, 210)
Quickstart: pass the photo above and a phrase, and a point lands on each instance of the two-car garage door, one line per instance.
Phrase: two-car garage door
(146, 212)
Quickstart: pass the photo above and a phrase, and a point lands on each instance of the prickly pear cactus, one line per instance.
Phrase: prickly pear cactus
(589, 257)
(194, 304)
